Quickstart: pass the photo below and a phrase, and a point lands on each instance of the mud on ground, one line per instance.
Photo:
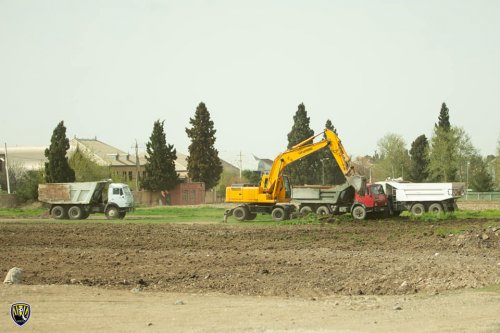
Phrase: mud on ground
(342, 258)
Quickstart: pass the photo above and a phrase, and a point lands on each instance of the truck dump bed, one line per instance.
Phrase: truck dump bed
(70, 193)
(425, 191)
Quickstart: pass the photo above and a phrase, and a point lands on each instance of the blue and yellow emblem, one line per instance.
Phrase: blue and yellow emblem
(20, 313)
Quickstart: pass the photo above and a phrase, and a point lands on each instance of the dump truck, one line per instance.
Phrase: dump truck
(273, 194)
(76, 201)
(341, 199)
(418, 198)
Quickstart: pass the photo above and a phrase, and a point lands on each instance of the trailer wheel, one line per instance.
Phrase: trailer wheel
(278, 214)
(240, 213)
(305, 210)
(112, 213)
(436, 208)
(58, 212)
(322, 210)
(75, 213)
(359, 213)
(418, 209)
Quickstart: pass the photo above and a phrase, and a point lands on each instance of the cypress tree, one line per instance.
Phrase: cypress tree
(419, 162)
(444, 118)
(308, 169)
(333, 174)
(204, 164)
(160, 161)
(57, 169)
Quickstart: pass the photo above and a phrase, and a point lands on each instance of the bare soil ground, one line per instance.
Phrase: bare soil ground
(354, 267)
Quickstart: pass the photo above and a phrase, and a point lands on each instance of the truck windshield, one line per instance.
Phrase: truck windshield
(377, 189)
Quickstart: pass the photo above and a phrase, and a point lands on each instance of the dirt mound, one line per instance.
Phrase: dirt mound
(347, 258)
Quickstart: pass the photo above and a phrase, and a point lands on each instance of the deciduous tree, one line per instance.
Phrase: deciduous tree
(86, 170)
(480, 179)
(394, 157)
(57, 169)
(204, 164)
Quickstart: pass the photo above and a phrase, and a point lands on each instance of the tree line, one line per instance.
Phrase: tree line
(446, 157)
(203, 162)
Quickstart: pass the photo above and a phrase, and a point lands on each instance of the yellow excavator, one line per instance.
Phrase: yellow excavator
(273, 195)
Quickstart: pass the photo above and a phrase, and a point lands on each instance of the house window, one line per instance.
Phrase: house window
(130, 175)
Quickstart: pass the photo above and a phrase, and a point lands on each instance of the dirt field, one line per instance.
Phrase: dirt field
(346, 266)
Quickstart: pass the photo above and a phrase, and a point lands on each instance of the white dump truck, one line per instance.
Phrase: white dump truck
(77, 201)
(419, 198)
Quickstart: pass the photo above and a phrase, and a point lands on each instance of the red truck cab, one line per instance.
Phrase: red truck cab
(373, 201)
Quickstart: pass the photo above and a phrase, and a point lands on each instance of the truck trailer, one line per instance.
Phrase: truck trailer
(418, 198)
(76, 201)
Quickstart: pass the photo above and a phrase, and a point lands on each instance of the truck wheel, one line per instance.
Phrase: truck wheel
(359, 213)
(418, 209)
(305, 210)
(251, 216)
(75, 213)
(278, 214)
(121, 215)
(112, 213)
(58, 212)
(322, 210)
(240, 213)
(436, 208)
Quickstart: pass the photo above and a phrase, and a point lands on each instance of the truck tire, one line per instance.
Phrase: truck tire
(251, 216)
(358, 213)
(121, 215)
(417, 209)
(58, 212)
(112, 213)
(278, 214)
(436, 207)
(75, 213)
(305, 210)
(240, 213)
(322, 210)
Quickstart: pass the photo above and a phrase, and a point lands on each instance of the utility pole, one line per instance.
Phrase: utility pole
(241, 163)
(136, 166)
(7, 169)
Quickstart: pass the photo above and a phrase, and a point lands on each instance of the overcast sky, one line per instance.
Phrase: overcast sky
(111, 68)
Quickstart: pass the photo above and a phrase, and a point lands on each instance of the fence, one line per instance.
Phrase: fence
(488, 196)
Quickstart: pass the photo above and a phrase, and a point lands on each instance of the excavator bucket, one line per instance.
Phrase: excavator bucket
(358, 182)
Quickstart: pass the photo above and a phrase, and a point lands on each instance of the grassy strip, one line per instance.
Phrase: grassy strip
(216, 214)
(21, 212)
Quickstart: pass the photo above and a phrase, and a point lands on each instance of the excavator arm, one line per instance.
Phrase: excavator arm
(303, 149)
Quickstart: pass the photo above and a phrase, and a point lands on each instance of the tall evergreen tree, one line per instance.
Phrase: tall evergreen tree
(419, 163)
(444, 118)
(204, 164)
(308, 169)
(160, 161)
(331, 170)
(57, 169)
